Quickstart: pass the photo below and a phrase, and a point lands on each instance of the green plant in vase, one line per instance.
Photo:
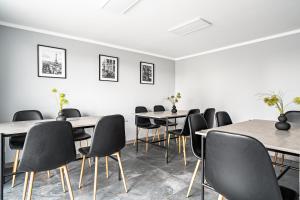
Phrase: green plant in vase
(276, 100)
(61, 101)
(174, 99)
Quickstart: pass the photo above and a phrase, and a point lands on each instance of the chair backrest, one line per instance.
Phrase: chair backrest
(48, 145)
(239, 167)
(158, 108)
(186, 128)
(141, 120)
(71, 112)
(196, 123)
(25, 115)
(223, 118)
(109, 136)
(293, 116)
(209, 115)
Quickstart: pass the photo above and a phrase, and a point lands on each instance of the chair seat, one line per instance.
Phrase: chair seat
(84, 150)
(80, 134)
(288, 194)
(176, 132)
(17, 142)
(149, 126)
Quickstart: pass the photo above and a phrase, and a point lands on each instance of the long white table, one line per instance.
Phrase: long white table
(287, 142)
(15, 128)
(164, 115)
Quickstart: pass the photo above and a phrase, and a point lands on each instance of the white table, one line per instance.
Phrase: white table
(287, 142)
(163, 115)
(15, 128)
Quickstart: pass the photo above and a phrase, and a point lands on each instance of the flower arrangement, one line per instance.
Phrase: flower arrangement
(174, 98)
(276, 100)
(61, 98)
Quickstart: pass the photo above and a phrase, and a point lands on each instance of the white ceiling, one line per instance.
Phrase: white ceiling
(145, 26)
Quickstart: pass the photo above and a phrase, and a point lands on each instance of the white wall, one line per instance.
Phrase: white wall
(21, 88)
(230, 80)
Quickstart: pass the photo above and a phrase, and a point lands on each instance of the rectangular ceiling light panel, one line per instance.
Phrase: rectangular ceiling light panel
(191, 26)
(119, 6)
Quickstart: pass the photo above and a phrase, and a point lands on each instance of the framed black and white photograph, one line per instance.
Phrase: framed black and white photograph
(51, 62)
(146, 73)
(108, 68)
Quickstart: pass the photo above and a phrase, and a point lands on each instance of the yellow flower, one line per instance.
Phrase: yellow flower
(297, 100)
(62, 95)
(54, 90)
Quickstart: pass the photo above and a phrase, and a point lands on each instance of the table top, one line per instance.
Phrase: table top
(265, 132)
(11, 128)
(163, 114)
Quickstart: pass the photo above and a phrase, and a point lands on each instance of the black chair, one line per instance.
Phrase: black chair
(196, 123)
(209, 115)
(17, 142)
(108, 139)
(239, 168)
(145, 123)
(48, 145)
(293, 116)
(79, 134)
(183, 133)
(223, 118)
(161, 108)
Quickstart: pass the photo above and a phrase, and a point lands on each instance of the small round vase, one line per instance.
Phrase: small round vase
(61, 117)
(282, 124)
(174, 110)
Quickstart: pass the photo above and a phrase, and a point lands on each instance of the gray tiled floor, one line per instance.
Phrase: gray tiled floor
(148, 177)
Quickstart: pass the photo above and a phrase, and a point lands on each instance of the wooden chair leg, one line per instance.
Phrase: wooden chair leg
(62, 179)
(154, 136)
(275, 157)
(30, 186)
(15, 166)
(193, 178)
(147, 140)
(122, 172)
(158, 135)
(179, 144)
(95, 177)
(184, 152)
(106, 165)
(282, 162)
(25, 185)
(81, 171)
(89, 159)
(68, 182)
(48, 173)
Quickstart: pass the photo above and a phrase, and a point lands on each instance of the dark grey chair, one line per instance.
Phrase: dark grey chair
(209, 116)
(239, 168)
(183, 133)
(145, 123)
(17, 142)
(161, 108)
(196, 123)
(108, 139)
(48, 145)
(79, 134)
(223, 119)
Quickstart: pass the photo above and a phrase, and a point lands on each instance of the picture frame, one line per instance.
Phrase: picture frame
(52, 62)
(108, 68)
(147, 73)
